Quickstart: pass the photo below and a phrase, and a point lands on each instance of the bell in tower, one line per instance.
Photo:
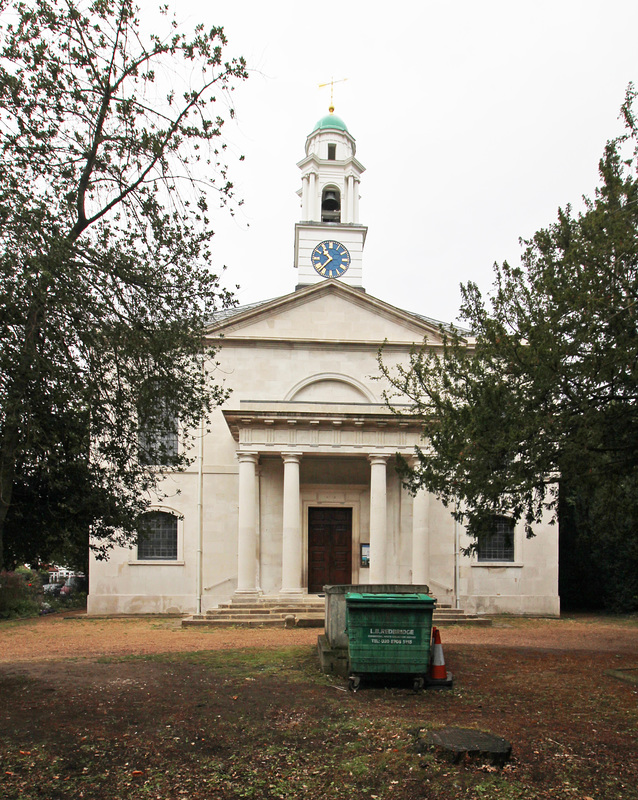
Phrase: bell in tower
(331, 205)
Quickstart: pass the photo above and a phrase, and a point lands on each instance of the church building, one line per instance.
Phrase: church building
(294, 486)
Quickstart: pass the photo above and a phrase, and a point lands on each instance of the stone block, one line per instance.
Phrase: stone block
(459, 744)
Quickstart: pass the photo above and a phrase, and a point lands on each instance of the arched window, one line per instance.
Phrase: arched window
(497, 544)
(157, 435)
(157, 540)
(331, 204)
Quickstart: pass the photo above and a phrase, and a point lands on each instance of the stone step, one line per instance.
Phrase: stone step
(240, 620)
(446, 615)
(193, 622)
(276, 615)
(312, 602)
(228, 618)
(226, 614)
(256, 615)
(451, 612)
(278, 609)
(276, 604)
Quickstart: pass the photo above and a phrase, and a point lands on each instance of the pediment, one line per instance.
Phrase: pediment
(330, 388)
(330, 312)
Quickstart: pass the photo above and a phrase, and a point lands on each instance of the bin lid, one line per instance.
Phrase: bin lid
(372, 597)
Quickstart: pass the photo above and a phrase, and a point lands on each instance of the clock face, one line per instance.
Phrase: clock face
(330, 259)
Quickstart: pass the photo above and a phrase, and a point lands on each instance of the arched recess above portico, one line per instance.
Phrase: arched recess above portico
(330, 387)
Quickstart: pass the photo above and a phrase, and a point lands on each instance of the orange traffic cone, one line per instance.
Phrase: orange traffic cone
(439, 676)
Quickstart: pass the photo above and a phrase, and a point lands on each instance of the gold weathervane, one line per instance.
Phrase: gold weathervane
(331, 84)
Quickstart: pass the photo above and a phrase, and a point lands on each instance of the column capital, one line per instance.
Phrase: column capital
(378, 458)
(412, 460)
(291, 456)
(244, 456)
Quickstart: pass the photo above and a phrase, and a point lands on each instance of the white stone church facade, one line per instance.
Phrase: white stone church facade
(294, 486)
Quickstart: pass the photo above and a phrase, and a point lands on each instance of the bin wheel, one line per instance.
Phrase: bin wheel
(418, 684)
(354, 681)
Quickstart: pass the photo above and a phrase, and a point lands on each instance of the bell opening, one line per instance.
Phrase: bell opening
(331, 205)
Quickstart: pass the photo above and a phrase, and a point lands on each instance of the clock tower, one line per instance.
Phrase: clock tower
(329, 240)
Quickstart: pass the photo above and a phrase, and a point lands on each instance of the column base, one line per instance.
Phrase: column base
(247, 594)
(293, 594)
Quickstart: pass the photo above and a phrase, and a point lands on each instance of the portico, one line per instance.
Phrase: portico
(339, 456)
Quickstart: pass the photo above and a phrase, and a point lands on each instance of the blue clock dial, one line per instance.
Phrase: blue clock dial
(330, 259)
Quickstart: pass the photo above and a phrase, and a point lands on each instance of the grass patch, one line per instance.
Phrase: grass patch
(246, 660)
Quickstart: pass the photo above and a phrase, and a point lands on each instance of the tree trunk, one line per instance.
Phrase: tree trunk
(8, 453)
(16, 399)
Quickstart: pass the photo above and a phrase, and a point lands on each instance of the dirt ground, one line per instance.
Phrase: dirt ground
(141, 708)
(74, 635)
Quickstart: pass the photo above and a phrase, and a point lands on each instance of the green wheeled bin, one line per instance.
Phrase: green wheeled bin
(389, 634)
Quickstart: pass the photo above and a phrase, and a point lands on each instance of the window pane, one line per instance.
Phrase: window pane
(157, 440)
(499, 544)
(158, 540)
(157, 446)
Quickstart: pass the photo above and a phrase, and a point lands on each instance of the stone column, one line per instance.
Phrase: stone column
(346, 206)
(312, 199)
(304, 198)
(421, 537)
(292, 550)
(355, 200)
(378, 518)
(247, 536)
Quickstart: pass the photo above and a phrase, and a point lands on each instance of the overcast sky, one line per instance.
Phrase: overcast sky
(475, 122)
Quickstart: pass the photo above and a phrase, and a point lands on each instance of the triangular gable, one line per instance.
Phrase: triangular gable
(329, 311)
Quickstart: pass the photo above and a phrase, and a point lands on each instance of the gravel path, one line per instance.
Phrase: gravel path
(73, 636)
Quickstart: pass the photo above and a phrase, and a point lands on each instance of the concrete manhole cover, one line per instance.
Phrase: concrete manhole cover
(457, 744)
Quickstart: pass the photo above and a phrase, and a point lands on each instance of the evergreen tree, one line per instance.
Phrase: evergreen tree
(542, 395)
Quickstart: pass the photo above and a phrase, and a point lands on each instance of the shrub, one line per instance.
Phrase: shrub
(65, 602)
(20, 593)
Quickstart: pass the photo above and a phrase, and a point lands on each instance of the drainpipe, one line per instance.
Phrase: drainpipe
(457, 544)
(200, 512)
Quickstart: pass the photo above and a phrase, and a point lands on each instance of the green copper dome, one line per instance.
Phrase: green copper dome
(330, 122)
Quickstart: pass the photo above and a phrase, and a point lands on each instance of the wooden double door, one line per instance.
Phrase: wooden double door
(329, 547)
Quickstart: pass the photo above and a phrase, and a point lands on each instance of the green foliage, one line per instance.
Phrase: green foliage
(65, 602)
(20, 593)
(106, 177)
(545, 387)
(599, 546)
